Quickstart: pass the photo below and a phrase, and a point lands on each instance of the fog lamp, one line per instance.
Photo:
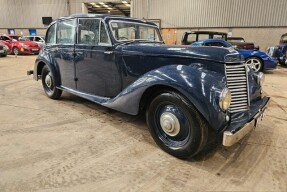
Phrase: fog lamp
(225, 99)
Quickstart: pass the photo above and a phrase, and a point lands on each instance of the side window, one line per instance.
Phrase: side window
(191, 38)
(4, 38)
(203, 37)
(88, 31)
(31, 38)
(37, 39)
(104, 38)
(66, 32)
(51, 35)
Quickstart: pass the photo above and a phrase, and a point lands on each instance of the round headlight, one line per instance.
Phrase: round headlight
(260, 78)
(225, 99)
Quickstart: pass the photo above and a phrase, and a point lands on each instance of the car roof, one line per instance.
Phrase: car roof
(212, 40)
(235, 38)
(105, 17)
(206, 32)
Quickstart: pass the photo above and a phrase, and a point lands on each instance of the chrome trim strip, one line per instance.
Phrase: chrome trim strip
(247, 83)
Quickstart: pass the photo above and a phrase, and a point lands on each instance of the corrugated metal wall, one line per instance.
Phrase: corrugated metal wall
(213, 13)
(29, 13)
(173, 13)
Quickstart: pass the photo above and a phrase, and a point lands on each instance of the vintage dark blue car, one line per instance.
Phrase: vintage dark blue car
(257, 60)
(187, 93)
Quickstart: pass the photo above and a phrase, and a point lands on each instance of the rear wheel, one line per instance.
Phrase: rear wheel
(176, 126)
(48, 83)
(255, 63)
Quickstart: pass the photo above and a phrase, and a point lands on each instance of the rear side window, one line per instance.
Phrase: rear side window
(66, 31)
(51, 35)
(89, 31)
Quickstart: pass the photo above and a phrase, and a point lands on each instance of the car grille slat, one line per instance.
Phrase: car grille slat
(237, 83)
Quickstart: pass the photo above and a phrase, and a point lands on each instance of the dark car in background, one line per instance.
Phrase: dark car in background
(194, 36)
(282, 47)
(241, 44)
(19, 45)
(188, 94)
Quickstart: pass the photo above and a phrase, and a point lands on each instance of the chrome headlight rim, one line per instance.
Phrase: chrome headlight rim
(225, 99)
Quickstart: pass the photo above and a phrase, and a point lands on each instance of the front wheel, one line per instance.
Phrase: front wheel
(48, 83)
(176, 126)
(255, 63)
(15, 51)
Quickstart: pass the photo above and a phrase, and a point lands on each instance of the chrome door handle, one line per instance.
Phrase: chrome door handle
(108, 52)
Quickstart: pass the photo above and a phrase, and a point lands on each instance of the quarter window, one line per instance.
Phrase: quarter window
(66, 32)
(88, 31)
(51, 35)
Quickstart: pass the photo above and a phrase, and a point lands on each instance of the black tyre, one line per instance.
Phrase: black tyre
(49, 84)
(255, 63)
(15, 51)
(176, 126)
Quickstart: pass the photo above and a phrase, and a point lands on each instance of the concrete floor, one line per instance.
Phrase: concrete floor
(75, 145)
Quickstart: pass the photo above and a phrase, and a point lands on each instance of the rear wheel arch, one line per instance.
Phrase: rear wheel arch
(41, 65)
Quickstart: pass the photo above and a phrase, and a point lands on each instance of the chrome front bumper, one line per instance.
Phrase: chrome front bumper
(230, 138)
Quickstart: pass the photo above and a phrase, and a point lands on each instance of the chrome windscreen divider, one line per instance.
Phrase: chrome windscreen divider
(237, 83)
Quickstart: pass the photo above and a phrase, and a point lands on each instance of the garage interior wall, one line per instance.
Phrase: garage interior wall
(260, 21)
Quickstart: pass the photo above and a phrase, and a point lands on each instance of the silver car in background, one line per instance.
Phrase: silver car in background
(40, 40)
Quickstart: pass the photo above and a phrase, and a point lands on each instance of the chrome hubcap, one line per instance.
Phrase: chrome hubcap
(169, 124)
(48, 80)
(255, 64)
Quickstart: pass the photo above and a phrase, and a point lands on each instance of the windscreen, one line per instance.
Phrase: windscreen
(129, 31)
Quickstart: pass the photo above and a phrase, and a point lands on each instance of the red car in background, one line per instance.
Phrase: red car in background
(19, 45)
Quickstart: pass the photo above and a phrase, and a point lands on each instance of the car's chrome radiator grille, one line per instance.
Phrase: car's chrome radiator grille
(237, 83)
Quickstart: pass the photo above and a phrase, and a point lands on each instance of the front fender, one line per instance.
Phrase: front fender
(202, 87)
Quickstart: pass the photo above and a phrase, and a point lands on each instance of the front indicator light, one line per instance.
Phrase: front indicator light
(225, 99)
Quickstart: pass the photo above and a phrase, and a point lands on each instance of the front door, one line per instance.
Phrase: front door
(64, 56)
(96, 70)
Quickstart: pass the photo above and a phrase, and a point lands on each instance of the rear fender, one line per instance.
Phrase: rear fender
(45, 59)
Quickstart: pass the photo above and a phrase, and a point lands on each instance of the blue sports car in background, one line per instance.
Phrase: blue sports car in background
(257, 60)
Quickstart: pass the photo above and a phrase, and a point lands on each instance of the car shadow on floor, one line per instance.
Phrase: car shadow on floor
(114, 117)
